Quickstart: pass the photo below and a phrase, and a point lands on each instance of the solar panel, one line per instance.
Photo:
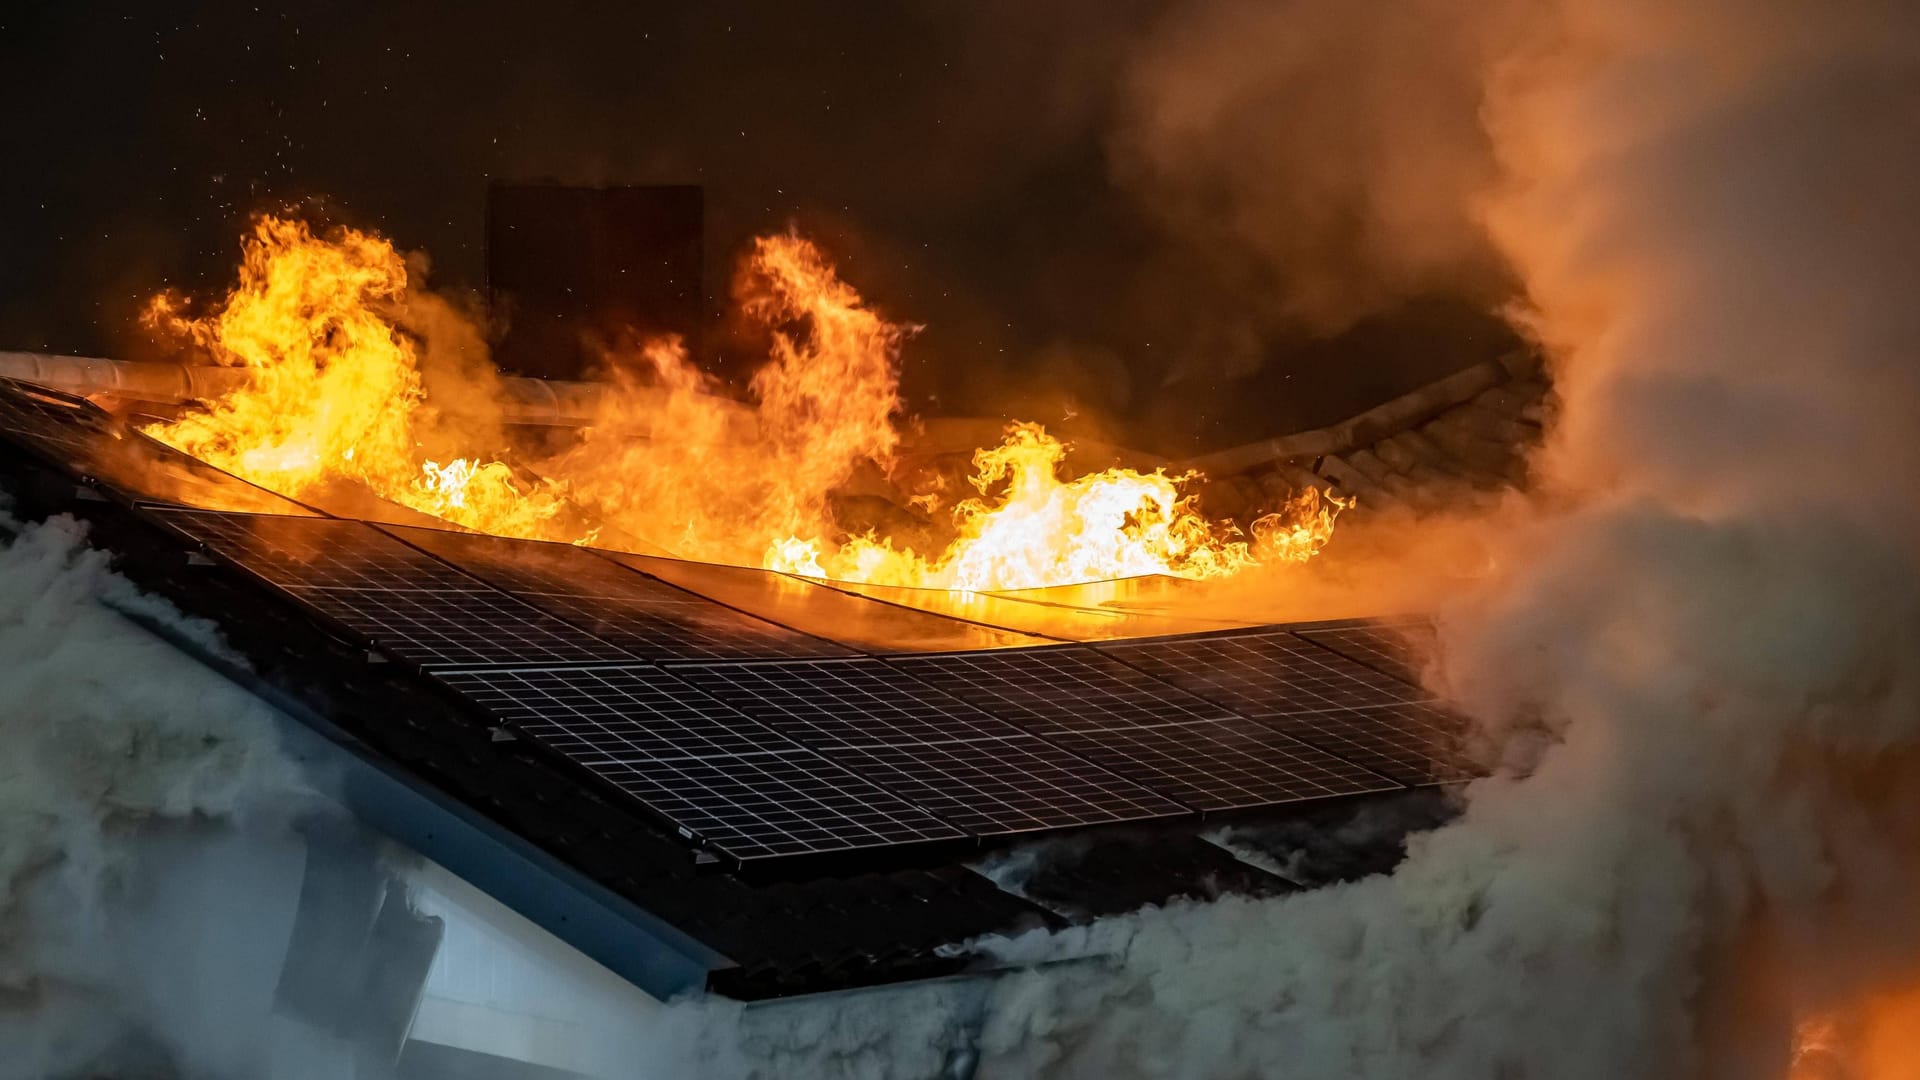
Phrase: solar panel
(1146, 592)
(1135, 725)
(1066, 688)
(844, 701)
(718, 776)
(84, 440)
(825, 613)
(1224, 764)
(644, 616)
(1393, 648)
(1417, 743)
(976, 770)
(1064, 622)
(62, 428)
(1297, 687)
(595, 714)
(995, 787)
(1264, 671)
(143, 466)
(407, 602)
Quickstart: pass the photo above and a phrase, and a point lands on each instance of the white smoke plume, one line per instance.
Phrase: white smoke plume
(1718, 620)
(150, 871)
(137, 793)
(1713, 615)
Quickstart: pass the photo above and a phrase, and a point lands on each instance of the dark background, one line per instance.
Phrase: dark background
(955, 158)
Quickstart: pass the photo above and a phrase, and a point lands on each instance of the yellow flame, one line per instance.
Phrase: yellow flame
(332, 388)
(333, 392)
(1041, 530)
(701, 475)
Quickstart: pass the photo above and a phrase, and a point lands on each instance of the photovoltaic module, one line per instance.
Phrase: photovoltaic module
(765, 717)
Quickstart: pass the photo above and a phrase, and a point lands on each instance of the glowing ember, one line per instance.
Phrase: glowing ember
(334, 394)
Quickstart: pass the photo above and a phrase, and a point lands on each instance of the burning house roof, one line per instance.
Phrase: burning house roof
(784, 784)
(726, 736)
(1448, 444)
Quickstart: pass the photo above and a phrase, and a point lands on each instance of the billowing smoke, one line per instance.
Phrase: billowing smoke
(154, 836)
(1707, 630)
(144, 801)
(1323, 156)
(1714, 617)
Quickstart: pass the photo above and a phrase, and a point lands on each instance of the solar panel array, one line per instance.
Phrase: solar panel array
(760, 741)
(767, 717)
(60, 428)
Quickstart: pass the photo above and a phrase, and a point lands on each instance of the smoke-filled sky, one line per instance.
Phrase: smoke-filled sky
(1107, 207)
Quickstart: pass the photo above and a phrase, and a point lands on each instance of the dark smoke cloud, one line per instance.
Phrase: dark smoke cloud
(1007, 174)
(1320, 157)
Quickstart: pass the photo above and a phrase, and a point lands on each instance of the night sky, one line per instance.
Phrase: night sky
(955, 158)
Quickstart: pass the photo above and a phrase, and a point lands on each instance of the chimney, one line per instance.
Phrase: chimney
(569, 268)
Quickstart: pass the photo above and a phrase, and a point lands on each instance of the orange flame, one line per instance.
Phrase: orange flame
(333, 393)
(704, 477)
(332, 388)
(1041, 530)
(1875, 1038)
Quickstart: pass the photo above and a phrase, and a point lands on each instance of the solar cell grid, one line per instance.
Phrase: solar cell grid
(974, 769)
(648, 618)
(1064, 688)
(1264, 671)
(408, 603)
(1222, 765)
(595, 713)
(721, 777)
(322, 553)
(1391, 648)
(1195, 751)
(773, 805)
(1415, 744)
(993, 786)
(854, 701)
(66, 431)
(1296, 687)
